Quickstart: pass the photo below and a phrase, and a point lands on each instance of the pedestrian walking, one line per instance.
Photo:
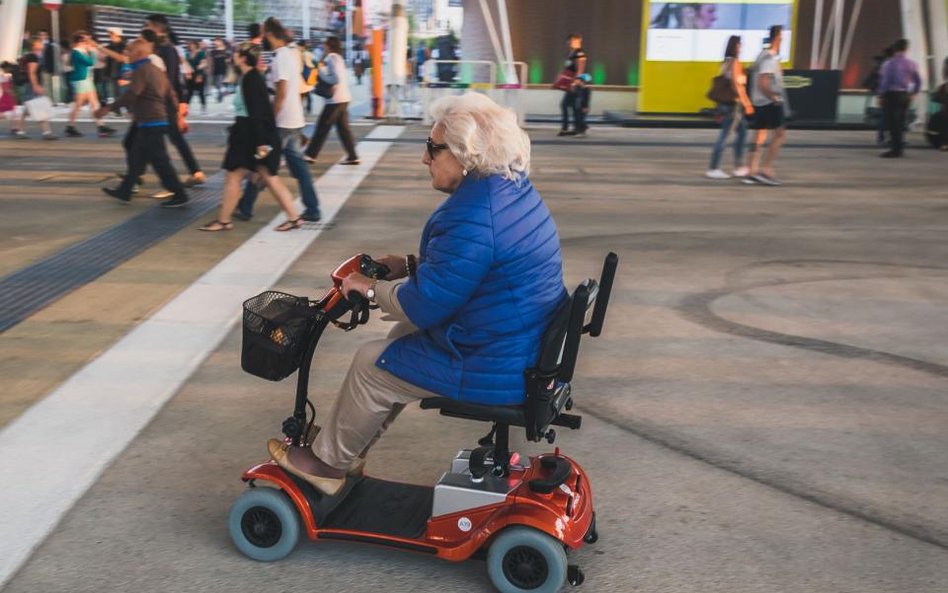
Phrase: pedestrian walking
(898, 84)
(770, 104)
(113, 64)
(151, 101)
(219, 61)
(336, 110)
(253, 144)
(33, 95)
(165, 50)
(285, 79)
(197, 81)
(83, 59)
(733, 112)
(572, 87)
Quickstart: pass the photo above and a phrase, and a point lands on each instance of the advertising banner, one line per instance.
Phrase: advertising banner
(683, 42)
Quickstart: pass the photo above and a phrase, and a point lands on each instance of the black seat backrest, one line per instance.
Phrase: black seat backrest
(548, 382)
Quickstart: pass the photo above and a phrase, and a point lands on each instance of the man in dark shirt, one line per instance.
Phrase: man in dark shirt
(150, 99)
(572, 97)
(169, 55)
(899, 82)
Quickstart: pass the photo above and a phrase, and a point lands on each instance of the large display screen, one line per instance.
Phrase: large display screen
(698, 31)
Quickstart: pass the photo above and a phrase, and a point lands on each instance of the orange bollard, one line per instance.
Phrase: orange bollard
(378, 91)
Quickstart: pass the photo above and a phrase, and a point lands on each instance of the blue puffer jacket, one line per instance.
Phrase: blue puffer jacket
(489, 279)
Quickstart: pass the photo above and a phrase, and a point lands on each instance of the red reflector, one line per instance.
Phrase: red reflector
(515, 459)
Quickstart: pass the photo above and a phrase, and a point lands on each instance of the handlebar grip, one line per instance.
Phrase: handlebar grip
(355, 299)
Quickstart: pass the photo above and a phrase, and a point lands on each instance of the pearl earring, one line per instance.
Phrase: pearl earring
(464, 172)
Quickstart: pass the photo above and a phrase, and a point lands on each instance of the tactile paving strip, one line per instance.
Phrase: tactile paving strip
(29, 289)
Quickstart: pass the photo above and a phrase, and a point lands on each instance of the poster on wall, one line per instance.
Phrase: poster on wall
(698, 31)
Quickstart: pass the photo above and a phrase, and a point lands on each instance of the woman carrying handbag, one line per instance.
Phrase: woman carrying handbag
(729, 91)
(333, 85)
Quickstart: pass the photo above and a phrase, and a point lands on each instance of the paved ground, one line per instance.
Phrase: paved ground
(767, 409)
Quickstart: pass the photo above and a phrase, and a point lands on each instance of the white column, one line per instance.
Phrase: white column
(349, 9)
(817, 34)
(938, 23)
(12, 21)
(837, 31)
(510, 73)
(913, 29)
(304, 34)
(229, 19)
(398, 43)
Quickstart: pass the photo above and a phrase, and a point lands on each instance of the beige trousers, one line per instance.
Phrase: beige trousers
(370, 398)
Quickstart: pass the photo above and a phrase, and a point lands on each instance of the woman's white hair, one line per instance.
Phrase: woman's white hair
(482, 135)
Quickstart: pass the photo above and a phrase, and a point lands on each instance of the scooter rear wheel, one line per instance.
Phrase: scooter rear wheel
(523, 559)
(264, 524)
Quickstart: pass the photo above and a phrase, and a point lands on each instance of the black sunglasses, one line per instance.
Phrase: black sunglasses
(433, 148)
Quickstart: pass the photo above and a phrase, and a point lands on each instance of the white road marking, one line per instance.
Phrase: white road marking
(52, 453)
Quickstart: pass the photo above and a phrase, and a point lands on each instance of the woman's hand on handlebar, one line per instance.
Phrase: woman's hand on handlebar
(396, 264)
(357, 282)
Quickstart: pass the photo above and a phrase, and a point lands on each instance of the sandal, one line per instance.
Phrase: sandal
(289, 225)
(217, 225)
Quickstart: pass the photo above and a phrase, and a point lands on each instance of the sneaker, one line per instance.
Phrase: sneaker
(72, 132)
(114, 193)
(350, 162)
(175, 202)
(566, 133)
(311, 217)
(716, 174)
(767, 179)
(105, 132)
(19, 134)
(196, 178)
(162, 195)
(741, 172)
(751, 180)
(50, 136)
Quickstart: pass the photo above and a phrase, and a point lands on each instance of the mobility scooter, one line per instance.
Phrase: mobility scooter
(520, 514)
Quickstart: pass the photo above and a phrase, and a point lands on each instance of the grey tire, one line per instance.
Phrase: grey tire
(524, 560)
(264, 524)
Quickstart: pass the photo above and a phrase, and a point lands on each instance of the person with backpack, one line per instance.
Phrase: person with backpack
(734, 113)
(285, 77)
(769, 99)
(27, 76)
(336, 110)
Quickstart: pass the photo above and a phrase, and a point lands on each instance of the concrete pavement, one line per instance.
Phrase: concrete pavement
(765, 411)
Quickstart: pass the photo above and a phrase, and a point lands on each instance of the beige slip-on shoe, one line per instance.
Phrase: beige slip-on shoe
(279, 452)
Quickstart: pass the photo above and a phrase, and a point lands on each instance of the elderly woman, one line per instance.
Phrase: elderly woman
(471, 308)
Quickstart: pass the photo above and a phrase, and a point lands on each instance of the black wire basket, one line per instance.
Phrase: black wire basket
(276, 327)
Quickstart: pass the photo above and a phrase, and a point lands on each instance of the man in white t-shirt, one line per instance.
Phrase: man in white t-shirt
(767, 95)
(285, 77)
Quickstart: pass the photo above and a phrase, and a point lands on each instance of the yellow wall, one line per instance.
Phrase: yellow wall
(679, 87)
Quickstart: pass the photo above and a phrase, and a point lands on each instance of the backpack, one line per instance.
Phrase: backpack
(19, 72)
(310, 75)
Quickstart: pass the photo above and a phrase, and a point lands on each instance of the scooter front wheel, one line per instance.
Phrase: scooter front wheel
(522, 559)
(264, 524)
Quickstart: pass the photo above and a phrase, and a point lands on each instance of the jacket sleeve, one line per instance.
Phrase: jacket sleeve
(457, 259)
(258, 105)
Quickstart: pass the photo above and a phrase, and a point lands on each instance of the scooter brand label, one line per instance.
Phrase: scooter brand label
(464, 524)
